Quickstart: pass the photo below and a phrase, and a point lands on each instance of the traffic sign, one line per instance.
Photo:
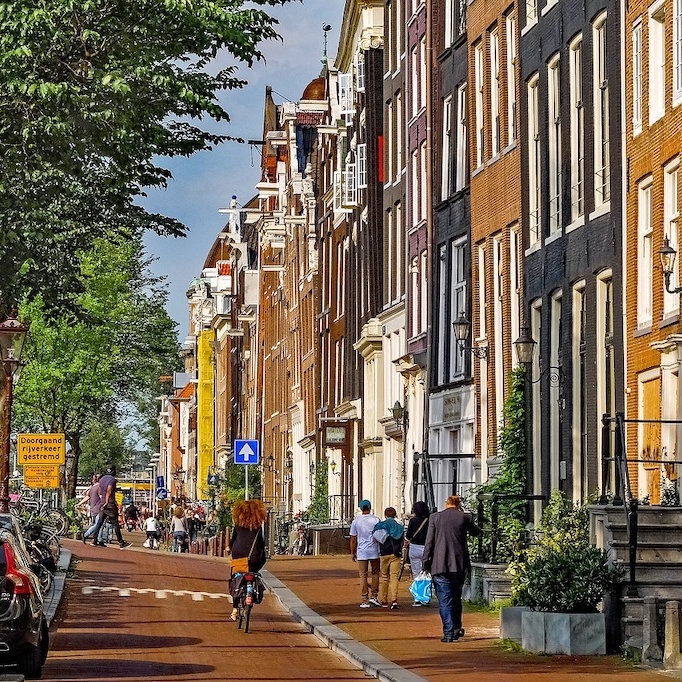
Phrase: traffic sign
(160, 483)
(41, 448)
(161, 493)
(212, 479)
(41, 477)
(246, 451)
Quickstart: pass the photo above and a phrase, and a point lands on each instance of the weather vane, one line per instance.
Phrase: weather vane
(325, 27)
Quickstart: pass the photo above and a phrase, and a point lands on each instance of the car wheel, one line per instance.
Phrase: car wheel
(30, 662)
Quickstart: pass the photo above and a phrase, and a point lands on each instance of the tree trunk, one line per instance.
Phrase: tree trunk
(71, 468)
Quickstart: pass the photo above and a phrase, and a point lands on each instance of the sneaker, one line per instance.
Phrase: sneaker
(123, 545)
(417, 603)
(384, 604)
(395, 606)
(458, 634)
(365, 605)
(374, 602)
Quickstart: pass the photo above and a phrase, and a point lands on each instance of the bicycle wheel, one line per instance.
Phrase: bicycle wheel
(58, 520)
(240, 613)
(247, 617)
(302, 546)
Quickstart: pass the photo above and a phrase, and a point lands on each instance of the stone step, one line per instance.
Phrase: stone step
(650, 551)
(648, 532)
(647, 514)
(653, 572)
(664, 590)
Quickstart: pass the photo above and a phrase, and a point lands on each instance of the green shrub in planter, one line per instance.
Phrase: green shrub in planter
(563, 573)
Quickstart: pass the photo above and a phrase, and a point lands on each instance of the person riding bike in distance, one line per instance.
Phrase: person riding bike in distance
(247, 539)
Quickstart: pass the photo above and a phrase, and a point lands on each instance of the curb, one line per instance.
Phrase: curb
(54, 596)
(335, 638)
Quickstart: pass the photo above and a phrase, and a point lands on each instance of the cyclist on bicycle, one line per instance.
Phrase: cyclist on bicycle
(247, 541)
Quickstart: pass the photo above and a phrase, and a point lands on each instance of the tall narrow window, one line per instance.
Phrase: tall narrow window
(671, 302)
(462, 139)
(510, 33)
(495, 91)
(415, 83)
(656, 61)
(601, 113)
(450, 21)
(446, 147)
(580, 437)
(677, 51)
(399, 133)
(577, 131)
(478, 85)
(442, 269)
(554, 143)
(637, 77)
(534, 179)
(645, 263)
(458, 301)
(531, 10)
(422, 74)
(390, 135)
(361, 158)
(422, 181)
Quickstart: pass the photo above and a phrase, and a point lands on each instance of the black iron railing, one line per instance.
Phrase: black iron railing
(493, 531)
(614, 456)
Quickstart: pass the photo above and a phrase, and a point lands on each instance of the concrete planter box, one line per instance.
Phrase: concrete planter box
(488, 582)
(510, 622)
(574, 634)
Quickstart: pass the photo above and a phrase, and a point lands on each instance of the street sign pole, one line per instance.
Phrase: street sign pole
(246, 482)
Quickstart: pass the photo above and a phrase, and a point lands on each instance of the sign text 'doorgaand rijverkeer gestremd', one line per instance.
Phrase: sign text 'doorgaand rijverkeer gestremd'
(41, 448)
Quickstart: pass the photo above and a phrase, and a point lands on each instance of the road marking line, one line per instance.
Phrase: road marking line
(159, 594)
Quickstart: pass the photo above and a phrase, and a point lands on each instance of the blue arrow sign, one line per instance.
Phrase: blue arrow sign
(161, 494)
(212, 479)
(246, 451)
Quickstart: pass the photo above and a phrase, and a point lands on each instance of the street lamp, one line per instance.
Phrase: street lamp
(525, 348)
(668, 255)
(461, 327)
(12, 337)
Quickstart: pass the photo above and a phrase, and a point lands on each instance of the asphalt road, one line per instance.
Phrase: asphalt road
(140, 615)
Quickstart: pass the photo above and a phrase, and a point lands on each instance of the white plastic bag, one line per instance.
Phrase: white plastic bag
(146, 543)
(421, 588)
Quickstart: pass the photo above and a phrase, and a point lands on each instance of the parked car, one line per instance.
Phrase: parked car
(24, 635)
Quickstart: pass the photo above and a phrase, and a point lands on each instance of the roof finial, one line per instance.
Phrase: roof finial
(325, 27)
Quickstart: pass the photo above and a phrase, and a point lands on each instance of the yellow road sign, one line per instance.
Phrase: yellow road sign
(41, 476)
(41, 448)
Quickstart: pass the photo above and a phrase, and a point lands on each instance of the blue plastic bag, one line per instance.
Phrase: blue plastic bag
(421, 588)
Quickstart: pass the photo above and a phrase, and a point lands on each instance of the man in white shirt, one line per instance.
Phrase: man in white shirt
(366, 552)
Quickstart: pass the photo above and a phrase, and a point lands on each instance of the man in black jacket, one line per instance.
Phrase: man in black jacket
(446, 557)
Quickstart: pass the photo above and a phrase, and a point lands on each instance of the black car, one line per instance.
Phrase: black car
(24, 636)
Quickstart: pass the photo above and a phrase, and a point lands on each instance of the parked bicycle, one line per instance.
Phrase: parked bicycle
(249, 590)
(301, 541)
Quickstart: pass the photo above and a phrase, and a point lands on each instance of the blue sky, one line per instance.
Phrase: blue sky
(205, 182)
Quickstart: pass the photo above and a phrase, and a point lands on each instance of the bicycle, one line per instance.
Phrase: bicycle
(301, 544)
(249, 591)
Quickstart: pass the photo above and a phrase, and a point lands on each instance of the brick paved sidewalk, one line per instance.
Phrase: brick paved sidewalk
(410, 636)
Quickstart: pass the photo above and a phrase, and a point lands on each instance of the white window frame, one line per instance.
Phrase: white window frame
(577, 130)
(450, 22)
(443, 294)
(677, 52)
(645, 263)
(346, 97)
(458, 294)
(349, 177)
(446, 149)
(398, 109)
(512, 120)
(637, 76)
(414, 100)
(462, 139)
(671, 214)
(602, 162)
(531, 11)
(494, 46)
(360, 71)
(361, 161)
(656, 50)
(479, 65)
(390, 146)
(554, 143)
(534, 161)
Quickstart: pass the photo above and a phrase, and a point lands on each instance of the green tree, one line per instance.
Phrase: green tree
(104, 365)
(93, 93)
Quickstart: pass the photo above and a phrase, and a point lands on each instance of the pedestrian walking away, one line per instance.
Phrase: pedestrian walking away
(247, 541)
(109, 511)
(415, 537)
(389, 535)
(365, 552)
(446, 557)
